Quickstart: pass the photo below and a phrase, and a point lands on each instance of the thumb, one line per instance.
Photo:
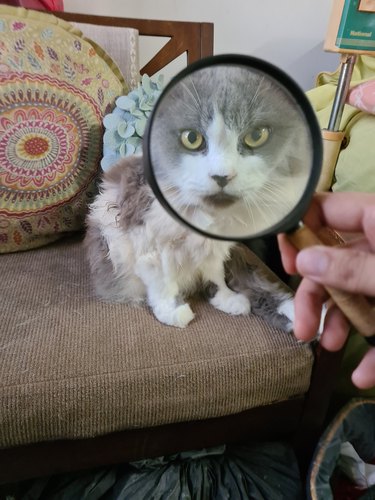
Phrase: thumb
(347, 269)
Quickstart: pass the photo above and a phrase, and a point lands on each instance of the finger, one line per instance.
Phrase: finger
(314, 217)
(364, 375)
(361, 244)
(336, 329)
(288, 254)
(343, 211)
(308, 303)
(343, 268)
(369, 226)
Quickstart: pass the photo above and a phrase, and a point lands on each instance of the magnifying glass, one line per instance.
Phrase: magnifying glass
(233, 151)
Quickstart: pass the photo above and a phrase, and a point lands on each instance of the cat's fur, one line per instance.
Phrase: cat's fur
(138, 252)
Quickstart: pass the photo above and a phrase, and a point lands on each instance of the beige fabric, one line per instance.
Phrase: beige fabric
(122, 46)
(72, 366)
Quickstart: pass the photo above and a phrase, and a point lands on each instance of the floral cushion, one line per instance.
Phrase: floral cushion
(55, 88)
(362, 96)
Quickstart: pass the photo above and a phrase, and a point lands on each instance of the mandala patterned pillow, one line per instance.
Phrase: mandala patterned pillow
(55, 88)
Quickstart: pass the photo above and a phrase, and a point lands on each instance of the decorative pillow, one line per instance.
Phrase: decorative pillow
(125, 126)
(362, 96)
(55, 88)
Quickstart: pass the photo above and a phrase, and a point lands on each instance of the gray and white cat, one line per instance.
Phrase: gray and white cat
(225, 143)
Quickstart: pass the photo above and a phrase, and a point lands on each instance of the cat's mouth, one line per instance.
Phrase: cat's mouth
(220, 200)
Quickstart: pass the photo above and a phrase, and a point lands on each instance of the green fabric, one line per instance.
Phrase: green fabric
(364, 69)
(355, 167)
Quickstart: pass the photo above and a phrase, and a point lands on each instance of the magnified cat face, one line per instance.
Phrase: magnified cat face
(231, 151)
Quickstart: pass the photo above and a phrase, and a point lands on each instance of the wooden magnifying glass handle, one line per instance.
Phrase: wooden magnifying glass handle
(356, 308)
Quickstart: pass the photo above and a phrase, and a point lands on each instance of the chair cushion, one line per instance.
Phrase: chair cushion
(55, 88)
(72, 366)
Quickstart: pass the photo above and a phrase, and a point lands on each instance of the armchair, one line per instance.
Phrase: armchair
(85, 383)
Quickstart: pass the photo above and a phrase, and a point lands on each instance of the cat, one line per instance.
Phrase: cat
(139, 254)
(222, 142)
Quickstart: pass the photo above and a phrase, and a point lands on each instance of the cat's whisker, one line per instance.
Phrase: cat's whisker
(189, 107)
(267, 212)
(185, 104)
(195, 212)
(273, 185)
(196, 93)
(266, 204)
(250, 211)
(276, 197)
(267, 217)
(274, 190)
(244, 223)
(196, 101)
(273, 209)
(274, 201)
(194, 98)
(256, 93)
(178, 201)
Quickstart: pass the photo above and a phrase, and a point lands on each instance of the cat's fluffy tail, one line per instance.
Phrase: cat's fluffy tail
(269, 298)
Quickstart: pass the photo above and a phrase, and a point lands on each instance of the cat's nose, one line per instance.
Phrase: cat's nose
(221, 180)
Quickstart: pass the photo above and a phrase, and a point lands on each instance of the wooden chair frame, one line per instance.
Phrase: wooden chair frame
(300, 419)
(193, 38)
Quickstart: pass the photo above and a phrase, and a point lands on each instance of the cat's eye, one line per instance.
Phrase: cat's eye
(257, 137)
(192, 139)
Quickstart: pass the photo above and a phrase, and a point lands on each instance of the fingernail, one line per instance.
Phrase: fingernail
(312, 262)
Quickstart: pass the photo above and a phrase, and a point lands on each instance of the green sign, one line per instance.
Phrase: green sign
(357, 29)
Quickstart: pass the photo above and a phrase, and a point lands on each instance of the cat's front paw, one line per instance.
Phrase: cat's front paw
(183, 315)
(231, 302)
(286, 320)
(286, 310)
(179, 316)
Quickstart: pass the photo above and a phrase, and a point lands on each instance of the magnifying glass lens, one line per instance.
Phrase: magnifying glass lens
(231, 151)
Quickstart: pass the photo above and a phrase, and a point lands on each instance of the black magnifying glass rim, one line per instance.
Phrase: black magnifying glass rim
(291, 221)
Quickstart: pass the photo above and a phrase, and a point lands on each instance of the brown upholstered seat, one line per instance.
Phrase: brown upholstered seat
(72, 366)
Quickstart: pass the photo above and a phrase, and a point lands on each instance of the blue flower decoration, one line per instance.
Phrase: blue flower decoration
(125, 126)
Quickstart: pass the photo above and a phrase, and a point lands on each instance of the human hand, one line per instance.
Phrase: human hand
(350, 268)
